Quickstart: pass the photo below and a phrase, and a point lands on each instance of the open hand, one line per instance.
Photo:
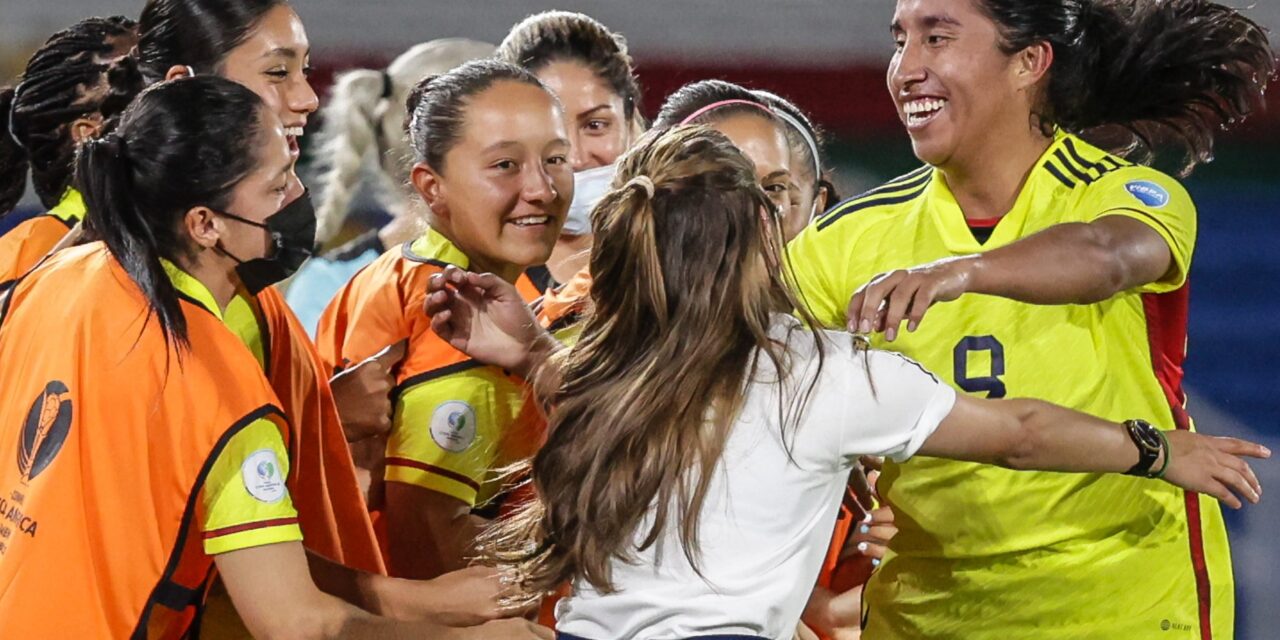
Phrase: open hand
(1215, 466)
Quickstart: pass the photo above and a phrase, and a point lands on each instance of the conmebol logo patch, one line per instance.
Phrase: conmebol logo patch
(1148, 193)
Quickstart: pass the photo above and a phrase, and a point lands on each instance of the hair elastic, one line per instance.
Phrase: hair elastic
(645, 183)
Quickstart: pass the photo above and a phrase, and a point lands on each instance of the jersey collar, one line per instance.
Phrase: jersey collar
(436, 249)
(70, 209)
(950, 218)
(191, 288)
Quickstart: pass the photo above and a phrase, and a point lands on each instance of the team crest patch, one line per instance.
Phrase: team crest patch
(45, 430)
(1148, 193)
(263, 478)
(453, 426)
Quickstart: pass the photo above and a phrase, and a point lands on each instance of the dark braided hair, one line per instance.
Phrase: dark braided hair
(1151, 73)
(70, 77)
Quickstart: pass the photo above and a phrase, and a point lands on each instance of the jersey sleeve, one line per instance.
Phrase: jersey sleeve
(1156, 200)
(882, 403)
(244, 501)
(811, 256)
(448, 419)
(446, 433)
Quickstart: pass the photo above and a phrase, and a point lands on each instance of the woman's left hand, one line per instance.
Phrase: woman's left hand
(888, 299)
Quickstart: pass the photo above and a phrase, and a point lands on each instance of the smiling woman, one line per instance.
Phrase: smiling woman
(189, 472)
(747, 121)
(589, 69)
(1064, 265)
(260, 44)
(493, 167)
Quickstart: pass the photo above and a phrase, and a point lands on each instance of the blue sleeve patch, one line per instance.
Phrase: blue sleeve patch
(1148, 193)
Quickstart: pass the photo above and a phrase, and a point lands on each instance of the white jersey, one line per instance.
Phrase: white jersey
(768, 516)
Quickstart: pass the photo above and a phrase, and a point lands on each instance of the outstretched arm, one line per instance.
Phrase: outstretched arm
(1035, 435)
(1073, 263)
(466, 597)
(272, 590)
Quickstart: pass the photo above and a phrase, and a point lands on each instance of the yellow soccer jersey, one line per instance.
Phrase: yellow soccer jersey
(985, 552)
(454, 433)
(244, 317)
(244, 501)
(456, 423)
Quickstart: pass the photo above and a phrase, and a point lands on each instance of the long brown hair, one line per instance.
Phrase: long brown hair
(688, 282)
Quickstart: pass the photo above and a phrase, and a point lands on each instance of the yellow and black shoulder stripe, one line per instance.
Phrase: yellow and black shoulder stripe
(897, 191)
(1074, 167)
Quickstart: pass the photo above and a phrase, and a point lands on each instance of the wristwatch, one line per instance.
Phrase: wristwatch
(1149, 442)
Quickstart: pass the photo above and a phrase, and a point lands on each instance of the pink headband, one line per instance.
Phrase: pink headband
(724, 103)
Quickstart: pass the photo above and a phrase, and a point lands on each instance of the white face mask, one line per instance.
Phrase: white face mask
(589, 187)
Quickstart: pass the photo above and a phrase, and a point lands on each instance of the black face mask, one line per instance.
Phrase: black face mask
(293, 232)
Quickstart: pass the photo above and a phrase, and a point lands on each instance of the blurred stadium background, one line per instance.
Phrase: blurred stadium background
(829, 57)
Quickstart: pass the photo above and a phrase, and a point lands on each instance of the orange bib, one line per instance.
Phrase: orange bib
(106, 436)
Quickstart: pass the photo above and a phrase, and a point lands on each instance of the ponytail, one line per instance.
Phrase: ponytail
(365, 114)
(649, 394)
(1170, 72)
(124, 83)
(105, 181)
(351, 132)
(13, 158)
(631, 207)
(181, 144)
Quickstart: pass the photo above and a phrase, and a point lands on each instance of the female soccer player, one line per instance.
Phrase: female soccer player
(262, 45)
(59, 103)
(1065, 268)
(745, 118)
(364, 147)
(701, 435)
(589, 69)
(811, 189)
(733, 110)
(493, 168)
(141, 463)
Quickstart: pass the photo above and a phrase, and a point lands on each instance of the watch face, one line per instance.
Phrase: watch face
(1147, 436)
